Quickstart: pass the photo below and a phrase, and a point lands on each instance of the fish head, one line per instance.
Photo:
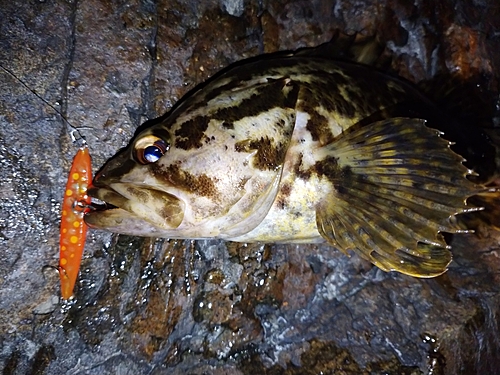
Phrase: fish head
(136, 203)
(201, 183)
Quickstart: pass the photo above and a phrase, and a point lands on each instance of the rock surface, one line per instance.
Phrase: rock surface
(146, 306)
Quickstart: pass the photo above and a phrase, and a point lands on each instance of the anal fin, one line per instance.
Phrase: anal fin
(396, 184)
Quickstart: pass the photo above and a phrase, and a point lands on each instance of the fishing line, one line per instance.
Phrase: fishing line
(76, 136)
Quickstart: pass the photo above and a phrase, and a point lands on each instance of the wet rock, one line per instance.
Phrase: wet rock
(177, 307)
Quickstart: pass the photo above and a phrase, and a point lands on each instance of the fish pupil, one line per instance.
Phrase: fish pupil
(153, 153)
(150, 148)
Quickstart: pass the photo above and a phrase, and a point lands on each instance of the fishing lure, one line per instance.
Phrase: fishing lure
(75, 204)
(73, 228)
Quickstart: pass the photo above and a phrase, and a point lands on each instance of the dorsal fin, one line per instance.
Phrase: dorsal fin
(367, 50)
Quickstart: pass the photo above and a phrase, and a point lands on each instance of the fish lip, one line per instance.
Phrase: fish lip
(93, 217)
(157, 209)
(98, 192)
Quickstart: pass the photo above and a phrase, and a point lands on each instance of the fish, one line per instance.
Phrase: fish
(299, 149)
(73, 229)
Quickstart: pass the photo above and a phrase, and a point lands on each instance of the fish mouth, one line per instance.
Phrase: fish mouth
(134, 210)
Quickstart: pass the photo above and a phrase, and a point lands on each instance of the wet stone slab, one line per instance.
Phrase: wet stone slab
(157, 306)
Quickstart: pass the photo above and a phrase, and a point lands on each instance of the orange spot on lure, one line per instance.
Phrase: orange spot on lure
(73, 227)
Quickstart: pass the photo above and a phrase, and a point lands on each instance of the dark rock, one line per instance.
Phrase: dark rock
(145, 306)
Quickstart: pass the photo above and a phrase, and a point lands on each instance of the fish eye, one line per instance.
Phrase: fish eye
(150, 149)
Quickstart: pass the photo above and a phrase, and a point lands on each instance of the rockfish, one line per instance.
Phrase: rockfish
(298, 149)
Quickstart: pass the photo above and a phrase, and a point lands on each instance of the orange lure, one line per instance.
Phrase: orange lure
(73, 227)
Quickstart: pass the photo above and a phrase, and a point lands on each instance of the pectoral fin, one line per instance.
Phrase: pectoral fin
(396, 184)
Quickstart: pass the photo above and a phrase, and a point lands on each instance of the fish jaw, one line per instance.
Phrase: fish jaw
(135, 205)
(139, 211)
(118, 220)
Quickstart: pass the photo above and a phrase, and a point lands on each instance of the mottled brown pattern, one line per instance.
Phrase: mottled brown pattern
(268, 96)
(212, 94)
(324, 91)
(285, 190)
(339, 79)
(242, 76)
(347, 106)
(319, 128)
(366, 83)
(340, 177)
(201, 185)
(191, 133)
(172, 212)
(138, 194)
(208, 140)
(346, 95)
(269, 153)
(164, 211)
(330, 168)
(299, 171)
(329, 94)
(283, 195)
